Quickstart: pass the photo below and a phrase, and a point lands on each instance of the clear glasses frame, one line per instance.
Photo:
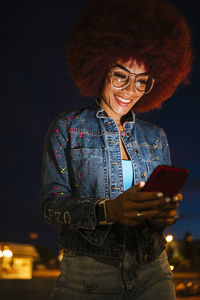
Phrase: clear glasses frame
(120, 68)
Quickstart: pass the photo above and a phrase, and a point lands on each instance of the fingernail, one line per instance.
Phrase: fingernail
(160, 195)
(175, 198)
(167, 199)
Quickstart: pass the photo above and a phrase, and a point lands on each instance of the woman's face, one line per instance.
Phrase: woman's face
(118, 102)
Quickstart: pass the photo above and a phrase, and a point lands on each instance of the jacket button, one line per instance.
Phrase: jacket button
(143, 175)
(136, 151)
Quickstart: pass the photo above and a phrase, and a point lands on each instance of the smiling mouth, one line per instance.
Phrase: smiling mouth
(125, 101)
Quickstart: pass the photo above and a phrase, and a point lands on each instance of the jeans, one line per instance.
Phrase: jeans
(94, 278)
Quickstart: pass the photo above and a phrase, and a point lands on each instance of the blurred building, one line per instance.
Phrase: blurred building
(16, 260)
(184, 254)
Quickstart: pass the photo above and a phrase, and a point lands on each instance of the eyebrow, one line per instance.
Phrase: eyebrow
(125, 69)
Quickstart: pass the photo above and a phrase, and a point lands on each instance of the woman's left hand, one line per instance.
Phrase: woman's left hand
(168, 213)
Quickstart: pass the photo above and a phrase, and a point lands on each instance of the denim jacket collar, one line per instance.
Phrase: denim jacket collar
(128, 119)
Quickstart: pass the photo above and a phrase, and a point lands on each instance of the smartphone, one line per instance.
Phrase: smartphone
(166, 179)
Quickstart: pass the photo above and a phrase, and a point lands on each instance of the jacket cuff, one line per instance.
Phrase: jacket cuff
(88, 218)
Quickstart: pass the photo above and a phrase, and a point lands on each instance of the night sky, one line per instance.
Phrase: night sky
(36, 87)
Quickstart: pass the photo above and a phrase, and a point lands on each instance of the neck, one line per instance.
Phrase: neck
(110, 113)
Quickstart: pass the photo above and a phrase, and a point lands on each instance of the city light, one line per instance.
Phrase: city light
(7, 253)
(189, 284)
(169, 238)
(1, 253)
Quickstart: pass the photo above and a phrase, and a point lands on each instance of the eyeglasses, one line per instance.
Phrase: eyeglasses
(120, 78)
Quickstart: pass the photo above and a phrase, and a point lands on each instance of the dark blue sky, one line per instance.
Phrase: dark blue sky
(36, 87)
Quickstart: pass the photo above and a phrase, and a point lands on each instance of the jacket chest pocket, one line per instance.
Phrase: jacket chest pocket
(151, 165)
(88, 172)
(151, 156)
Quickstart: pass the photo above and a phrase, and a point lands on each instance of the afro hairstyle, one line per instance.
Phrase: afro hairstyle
(151, 32)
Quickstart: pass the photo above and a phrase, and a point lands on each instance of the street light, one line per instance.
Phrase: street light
(171, 267)
(7, 253)
(169, 238)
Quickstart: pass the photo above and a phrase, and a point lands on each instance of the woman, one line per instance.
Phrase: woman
(131, 55)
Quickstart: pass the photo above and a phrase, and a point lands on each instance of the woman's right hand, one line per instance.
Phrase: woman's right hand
(133, 206)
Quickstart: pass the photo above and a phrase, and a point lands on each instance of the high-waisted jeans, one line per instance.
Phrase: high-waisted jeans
(94, 278)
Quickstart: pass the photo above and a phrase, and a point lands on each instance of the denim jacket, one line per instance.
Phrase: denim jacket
(82, 165)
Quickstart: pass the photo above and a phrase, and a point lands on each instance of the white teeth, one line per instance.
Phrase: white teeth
(122, 99)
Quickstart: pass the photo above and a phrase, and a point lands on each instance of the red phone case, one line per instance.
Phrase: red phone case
(166, 179)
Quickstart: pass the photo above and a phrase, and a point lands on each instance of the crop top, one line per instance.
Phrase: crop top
(127, 169)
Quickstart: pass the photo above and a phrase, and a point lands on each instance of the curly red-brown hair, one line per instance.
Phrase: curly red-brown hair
(151, 32)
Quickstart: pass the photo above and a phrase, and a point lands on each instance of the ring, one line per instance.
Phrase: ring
(139, 214)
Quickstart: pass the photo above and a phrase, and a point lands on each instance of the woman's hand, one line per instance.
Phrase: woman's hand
(168, 213)
(133, 207)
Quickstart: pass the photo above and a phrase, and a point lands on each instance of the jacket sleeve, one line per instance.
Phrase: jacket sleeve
(165, 149)
(60, 205)
(166, 156)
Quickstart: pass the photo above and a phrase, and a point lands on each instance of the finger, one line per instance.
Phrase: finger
(166, 220)
(173, 202)
(152, 214)
(158, 204)
(142, 196)
(163, 222)
(177, 197)
(170, 205)
(142, 215)
(139, 186)
(167, 214)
